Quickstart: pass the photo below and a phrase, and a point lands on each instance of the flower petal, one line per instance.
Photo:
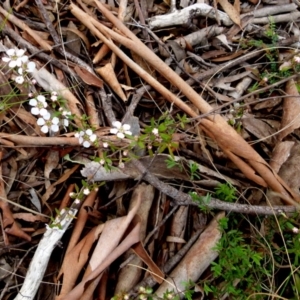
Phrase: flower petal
(65, 122)
(40, 121)
(35, 111)
(45, 129)
(54, 127)
(30, 67)
(41, 98)
(33, 102)
(11, 52)
(93, 137)
(43, 112)
(47, 116)
(12, 64)
(120, 135)
(126, 126)
(114, 130)
(89, 132)
(20, 52)
(117, 124)
(6, 59)
(55, 120)
(86, 144)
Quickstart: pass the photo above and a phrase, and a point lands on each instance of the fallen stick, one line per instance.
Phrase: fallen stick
(39, 263)
(183, 16)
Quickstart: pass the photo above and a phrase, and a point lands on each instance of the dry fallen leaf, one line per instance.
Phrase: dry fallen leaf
(231, 11)
(88, 77)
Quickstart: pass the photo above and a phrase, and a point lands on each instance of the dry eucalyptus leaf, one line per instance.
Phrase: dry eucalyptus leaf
(231, 11)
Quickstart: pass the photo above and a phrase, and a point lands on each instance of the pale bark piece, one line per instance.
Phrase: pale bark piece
(271, 10)
(130, 275)
(280, 154)
(196, 37)
(183, 16)
(291, 17)
(291, 110)
(240, 88)
(196, 261)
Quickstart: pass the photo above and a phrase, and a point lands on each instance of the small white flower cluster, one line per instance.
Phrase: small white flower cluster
(18, 61)
(86, 138)
(46, 121)
(120, 130)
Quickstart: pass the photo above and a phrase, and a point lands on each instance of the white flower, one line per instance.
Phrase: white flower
(19, 79)
(53, 98)
(86, 191)
(33, 81)
(86, 138)
(120, 130)
(105, 145)
(297, 59)
(48, 124)
(121, 165)
(155, 131)
(102, 161)
(295, 229)
(72, 194)
(39, 105)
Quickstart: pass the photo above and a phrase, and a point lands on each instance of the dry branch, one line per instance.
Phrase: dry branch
(184, 16)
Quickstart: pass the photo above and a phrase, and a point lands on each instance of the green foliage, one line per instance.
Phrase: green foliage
(202, 201)
(226, 192)
(194, 168)
(172, 162)
(234, 273)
